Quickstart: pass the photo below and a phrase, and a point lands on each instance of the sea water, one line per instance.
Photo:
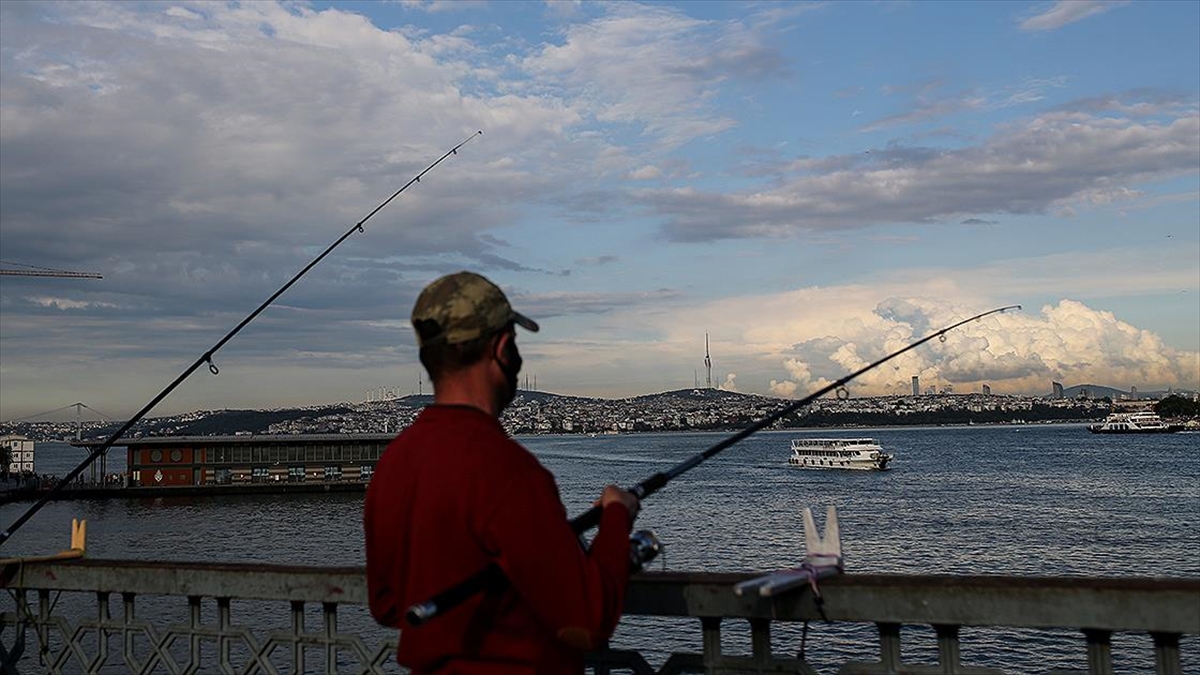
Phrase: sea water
(1037, 500)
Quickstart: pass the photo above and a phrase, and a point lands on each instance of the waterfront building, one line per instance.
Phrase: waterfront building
(20, 457)
(244, 459)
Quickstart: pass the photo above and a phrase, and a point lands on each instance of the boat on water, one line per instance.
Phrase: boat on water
(838, 453)
(1144, 422)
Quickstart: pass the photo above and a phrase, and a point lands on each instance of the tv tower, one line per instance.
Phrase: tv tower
(707, 363)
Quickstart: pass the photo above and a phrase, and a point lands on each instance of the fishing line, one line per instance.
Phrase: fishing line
(492, 576)
(206, 357)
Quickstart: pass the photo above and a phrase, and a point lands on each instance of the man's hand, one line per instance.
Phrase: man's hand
(612, 493)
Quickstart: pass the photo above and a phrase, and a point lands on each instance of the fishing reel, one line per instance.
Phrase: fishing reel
(643, 547)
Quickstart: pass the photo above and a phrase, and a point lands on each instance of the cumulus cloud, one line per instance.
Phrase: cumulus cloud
(794, 342)
(1016, 352)
(1065, 12)
(1045, 164)
(200, 155)
(730, 383)
(782, 389)
(204, 153)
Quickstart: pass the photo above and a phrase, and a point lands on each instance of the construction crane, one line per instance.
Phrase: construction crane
(35, 271)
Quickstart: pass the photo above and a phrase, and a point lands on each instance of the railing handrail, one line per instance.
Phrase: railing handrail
(1144, 604)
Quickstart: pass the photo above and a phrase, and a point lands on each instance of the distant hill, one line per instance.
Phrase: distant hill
(219, 422)
(698, 394)
(254, 421)
(542, 412)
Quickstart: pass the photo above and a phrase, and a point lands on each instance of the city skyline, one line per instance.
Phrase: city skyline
(796, 189)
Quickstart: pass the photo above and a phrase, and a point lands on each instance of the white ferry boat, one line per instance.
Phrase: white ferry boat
(838, 453)
(1144, 422)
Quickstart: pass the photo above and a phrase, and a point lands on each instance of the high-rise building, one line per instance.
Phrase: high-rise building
(1058, 389)
(916, 386)
(987, 391)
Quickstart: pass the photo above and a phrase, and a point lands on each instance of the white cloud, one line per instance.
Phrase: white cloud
(1065, 12)
(1013, 353)
(795, 342)
(67, 303)
(197, 136)
(784, 389)
(730, 383)
(930, 104)
(653, 67)
(1037, 166)
(436, 6)
(924, 109)
(645, 173)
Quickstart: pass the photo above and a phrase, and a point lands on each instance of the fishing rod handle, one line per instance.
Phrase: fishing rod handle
(422, 612)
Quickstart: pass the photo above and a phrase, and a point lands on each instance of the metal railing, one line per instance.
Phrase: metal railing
(179, 618)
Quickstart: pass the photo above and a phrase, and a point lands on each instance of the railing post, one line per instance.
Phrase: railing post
(196, 644)
(194, 628)
(9, 657)
(330, 611)
(1099, 652)
(949, 655)
(224, 628)
(711, 628)
(102, 619)
(1166, 654)
(297, 631)
(889, 646)
(760, 640)
(43, 628)
(127, 618)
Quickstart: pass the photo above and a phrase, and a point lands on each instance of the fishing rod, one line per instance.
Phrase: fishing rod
(206, 357)
(492, 576)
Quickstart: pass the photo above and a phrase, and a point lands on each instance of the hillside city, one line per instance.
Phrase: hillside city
(684, 410)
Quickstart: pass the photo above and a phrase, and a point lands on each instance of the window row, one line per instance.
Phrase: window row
(307, 453)
(293, 474)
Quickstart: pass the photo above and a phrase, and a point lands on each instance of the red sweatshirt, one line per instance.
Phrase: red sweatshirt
(452, 493)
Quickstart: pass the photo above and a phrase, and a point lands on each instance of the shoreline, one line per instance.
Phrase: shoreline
(157, 492)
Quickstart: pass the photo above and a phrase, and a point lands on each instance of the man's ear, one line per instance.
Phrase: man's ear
(500, 342)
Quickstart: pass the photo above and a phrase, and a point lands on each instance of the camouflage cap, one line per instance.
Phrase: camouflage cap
(462, 307)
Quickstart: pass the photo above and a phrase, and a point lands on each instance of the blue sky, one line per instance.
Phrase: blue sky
(813, 185)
